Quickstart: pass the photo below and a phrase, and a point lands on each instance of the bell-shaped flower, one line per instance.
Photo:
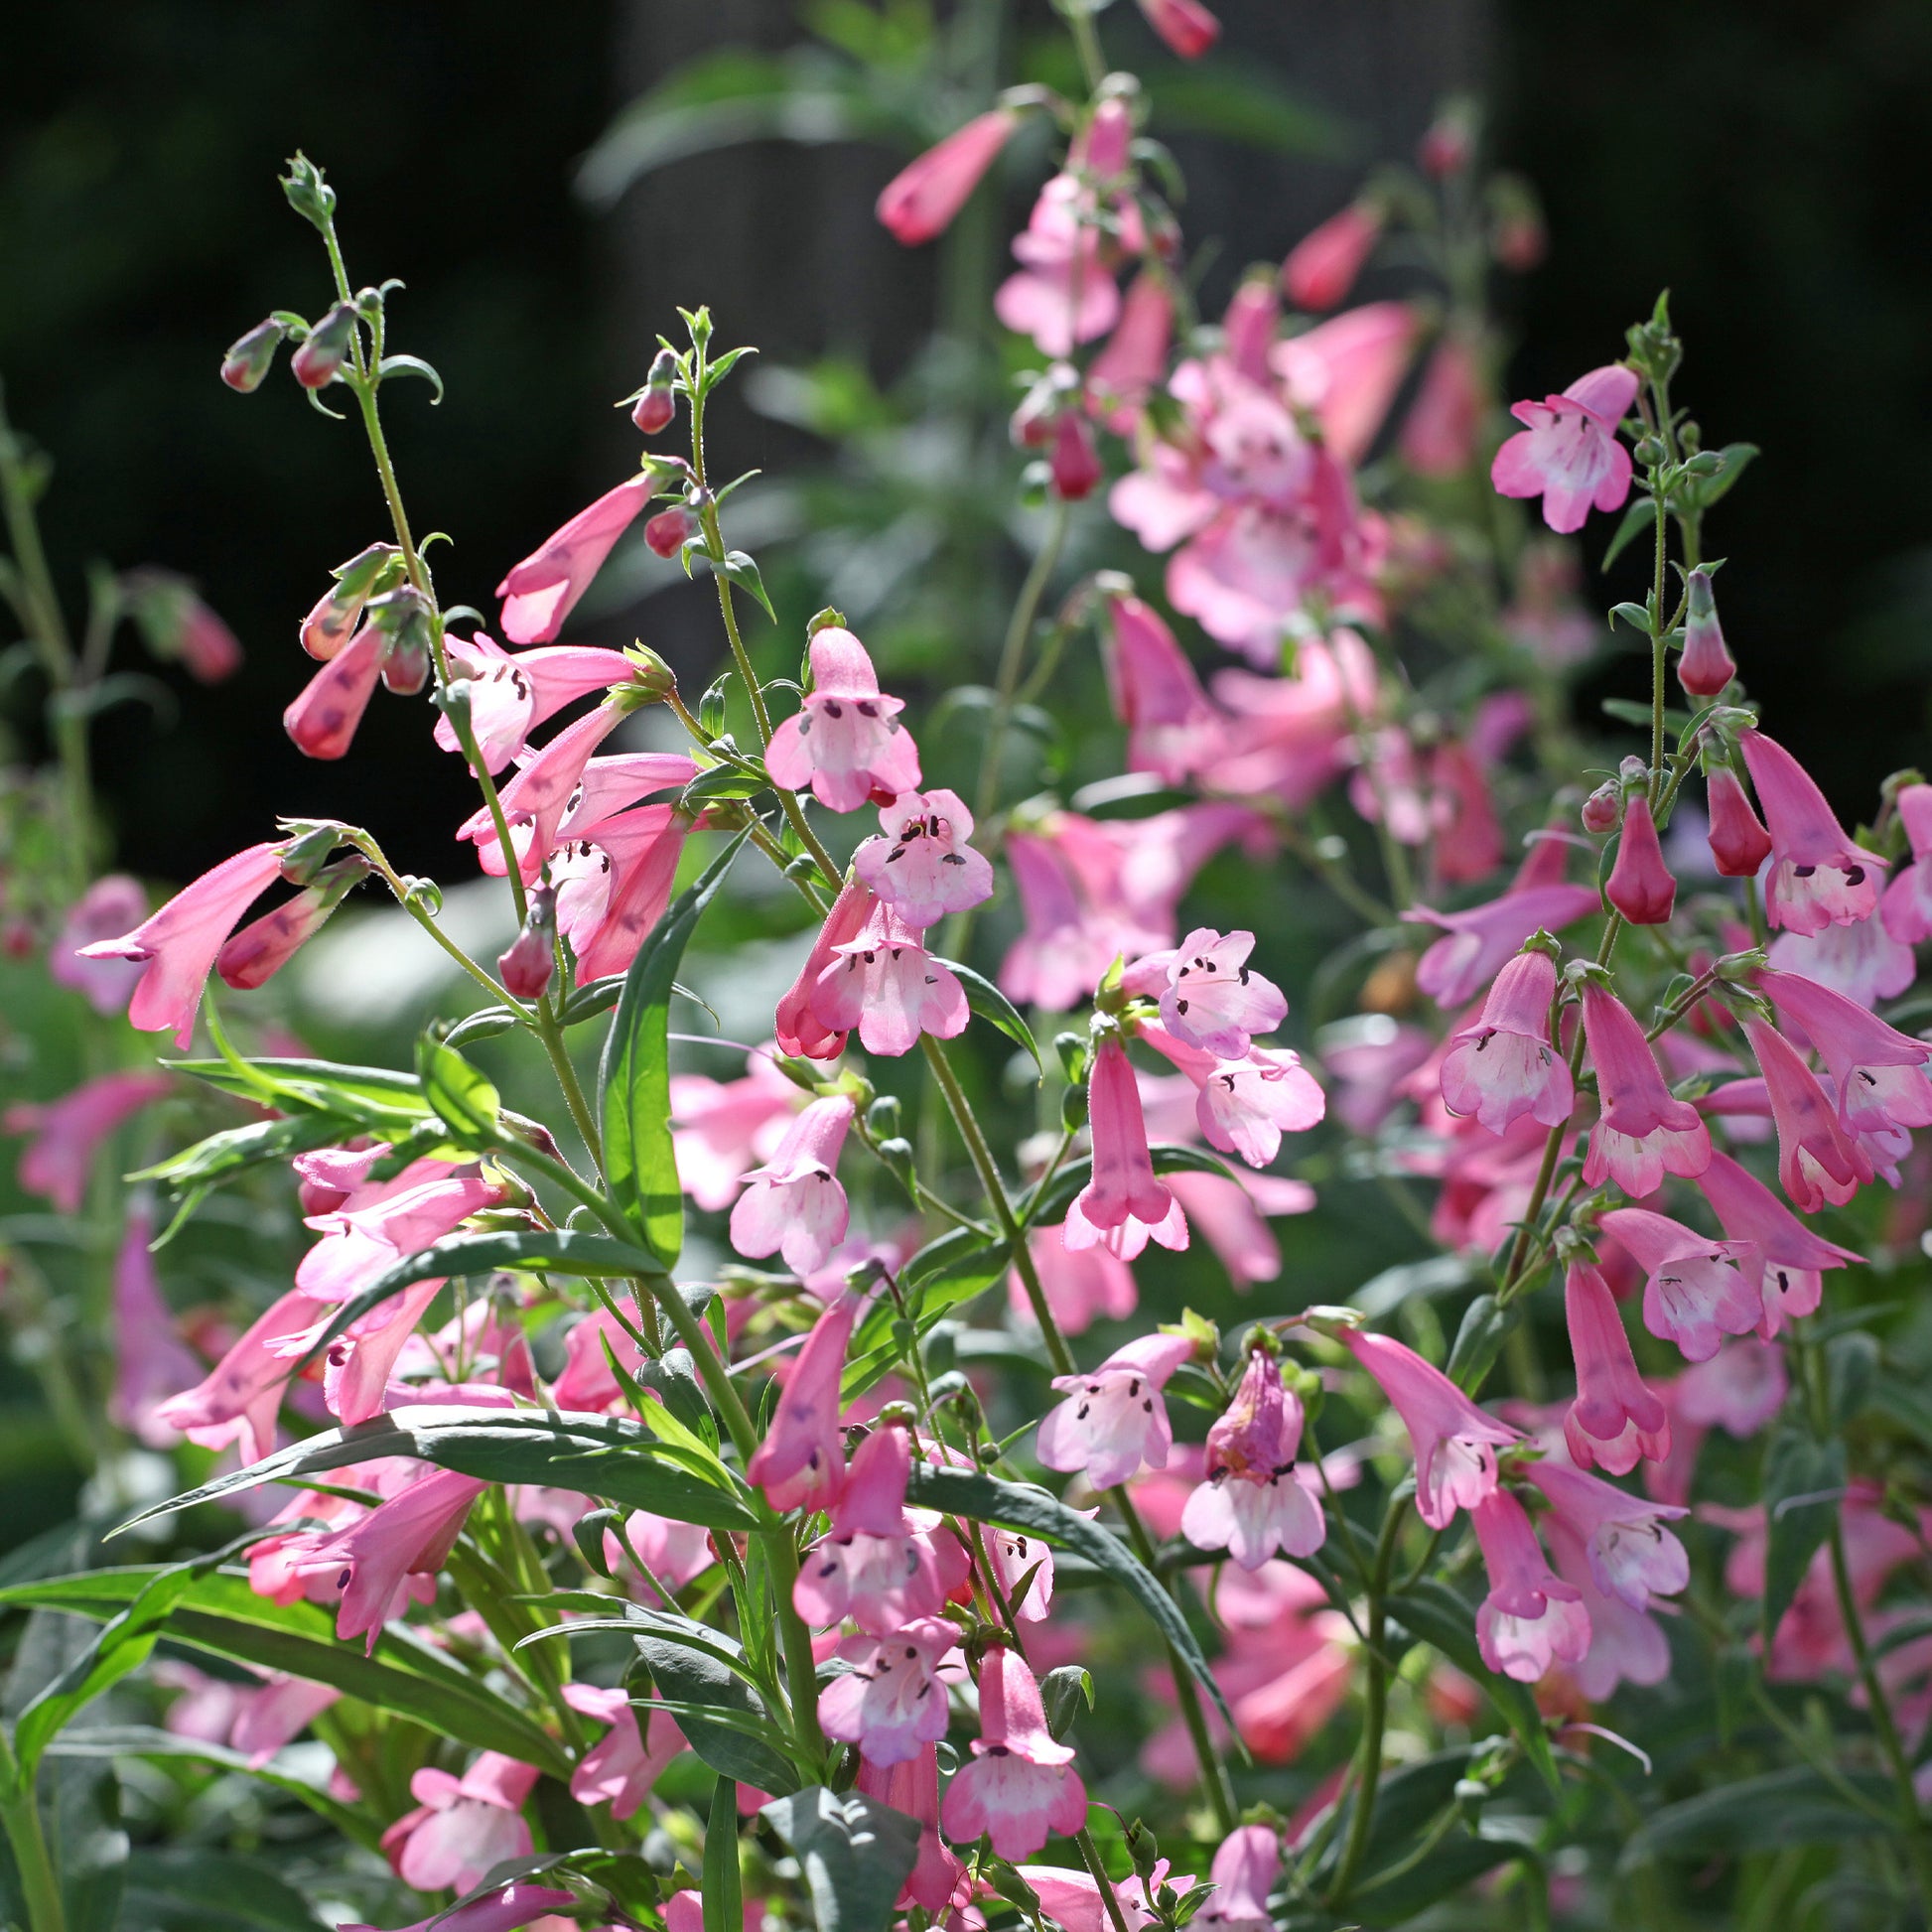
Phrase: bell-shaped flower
(1642, 1133)
(801, 1461)
(1173, 731)
(1775, 1249)
(1820, 1160)
(1616, 1419)
(613, 887)
(1113, 1421)
(360, 1242)
(793, 1206)
(1706, 664)
(719, 1128)
(276, 1713)
(108, 906)
(892, 1703)
(1080, 1284)
(1022, 1567)
(845, 740)
(623, 1765)
(1819, 878)
(799, 1029)
(1476, 942)
(1453, 1441)
(1134, 361)
(1879, 1071)
(1567, 453)
(180, 941)
(1019, 1785)
(1505, 1064)
(1252, 1503)
(1188, 27)
(912, 1787)
(1694, 1292)
(921, 864)
(1322, 266)
(1246, 1865)
(540, 593)
(920, 200)
(1211, 997)
(1063, 293)
(322, 720)
(535, 801)
(151, 1362)
(1123, 1204)
(1531, 1617)
(1069, 939)
(1245, 1104)
(1626, 1646)
(1908, 906)
(240, 1397)
(67, 1133)
(462, 1827)
(1632, 1557)
(508, 1909)
(1739, 843)
(887, 987)
(1640, 884)
(1862, 961)
(511, 693)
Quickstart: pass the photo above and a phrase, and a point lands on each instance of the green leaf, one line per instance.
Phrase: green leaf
(700, 1681)
(994, 1008)
(374, 1096)
(1486, 1326)
(856, 1855)
(633, 1085)
(463, 1099)
(224, 1154)
(723, 1893)
(986, 1499)
(945, 1273)
(1434, 1615)
(412, 365)
(1626, 711)
(1639, 517)
(1781, 1809)
(1061, 1692)
(221, 1615)
(194, 1888)
(1803, 1481)
(722, 782)
(738, 568)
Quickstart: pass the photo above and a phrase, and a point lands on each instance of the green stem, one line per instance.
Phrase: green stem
(1013, 656)
(1109, 1898)
(20, 1815)
(1375, 1713)
(551, 1032)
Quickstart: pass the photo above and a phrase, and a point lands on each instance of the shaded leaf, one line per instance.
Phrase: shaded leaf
(994, 1008)
(1795, 1806)
(194, 1888)
(723, 1893)
(697, 1680)
(856, 1855)
(1803, 1481)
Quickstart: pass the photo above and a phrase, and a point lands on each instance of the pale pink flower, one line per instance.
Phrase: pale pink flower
(720, 1127)
(1252, 1503)
(1081, 1283)
(1476, 942)
(1246, 1105)
(845, 740)
(1322, 266)
(1908, 906)
(793, 1206)
(242, 1396)
(1531, 1617)
(1232, 1218)
(614, 885)
(802, 1457)
(1210, 998)
(587, 1383)
(1865, 962)
(1818, 877)
(151, 1362)
(892, 1704)
(1246, 1864)
(1019, 1785)
(1694, 1292)
(1819, 1158)
(1346, 370)
(535, 801)
(1068, 944)
(1615, 1419)
(1185, 25)
(1121, 376)
(623, 1765)
(67, 1133)
(887, 987)
(275, 1715)
(1739, 1390)
(540, 593)
(1505, 1064)
(1371, 1057)
(921, 864)
(462, 1827)
(1172, 730)
(511, 693)
(922, 200)
(1642, 1133)
(1775, 1249)
(108, 906)
(1124, 1203)
(1063, 293)
(673, 1552)
(1114, 1418)
(1880, 1072)
(1567, 453)
(1626, 1646)
(1632, 1556)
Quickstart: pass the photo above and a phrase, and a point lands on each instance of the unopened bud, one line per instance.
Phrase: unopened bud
(656, 405)
(650, 673)
(1449, 144)
(249, 357)
(1602, 808)
(711, 709)
(318, 361)
(882, 1117)
(309, 195)
(405, 665)
(1075, 463)
(1706, 664)
(261, 949)
(311, 845)
(1143, 1848)
(670, 530)
(527, 965)
(1633, 771)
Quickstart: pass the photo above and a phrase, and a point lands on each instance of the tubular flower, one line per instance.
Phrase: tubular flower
(1114, 1419)
(1568, 451)
(1244, 1105)
(1694, 1292)
(1819, 878)
(921, 864)
(1775, 1249)
(920, 200)
(1439, 435)
(797, 1025)
(1476, 943)
(1640, 884)
(1642, 1134)
(1252, 1503)
(793, 1206)
(620, 1768)
(1706, 665)
(845, 741)
(151, 1363)
(540, 593)
(913, 1788)
(1172, 730)
(1819, 1157)
(1739, 843)
(1632, 1557)
(1879, 1071)
(1123, 1204)
(1907, 907)
(1185, 25)
(322, 720)
(1531, 1617)
(67, 1133)
(1322, 266)
(1019, 1785)
(1079, 1283)
(1615, 1419)
(802, 1457)
(892, 1704)
(1210, 998)
(887, 987)
(1505, 1065)
(462, 1827)
(511, 693)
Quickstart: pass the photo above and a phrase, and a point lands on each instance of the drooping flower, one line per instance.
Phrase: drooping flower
(1063, 293)
(1172, 730)
(892, 1704)
(1615, 1419)
(1568, 451)
(67, 1133)
(1246, 1864)
(845, 740)
(1210, 998)
(1642, 1133)
(887, 987)
(719, 1129)
(1862, 961)
(1079, 1283)
(1244, 1105)
(623, 1765)
(1185, 25)
(239, 1398)
(1252, 1503)
(323, 719)
(1113, 1420)
(1693, 1291)
(920, 200)
(1640, 884)
(1322, 266)
(1739, 843)
(1626, 1646)
(1777, 1251)
(1819, 1158)
(386, 1220)
(587, 1383)
(1019, 1785)
(614, 885)
(1908, 906)
(1505, 1064)
(541, 592)
(1124, 1203)
(462, 1827)
(180, 941)
(912, 1787)
(1133, 359)
(1454, 1443)
(511, 693)
(1632, 1557)
(1818, 877)
(1706, 665)
(1531, 1617)
(1439, 433)
(797, 1027)
(1476, 942)
(802, 1457)
(535, 802)
(793, 1206)
(273, 1716)
(151, 1362)
(921, 864)
(1879, 1071)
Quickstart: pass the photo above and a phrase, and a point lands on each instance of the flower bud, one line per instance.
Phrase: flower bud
(670, 530)
(532, 954)
(1449, 144)
(317, 362)
(1640, 884)
(656, 405)
(262, 948)
(311, 844)
(309, 195)
(1739, 843)
(1075, 463)
(1706, 665)
(248, 357)
(650, 673)
(1517, 235)
(1602, 808)
(405, 665)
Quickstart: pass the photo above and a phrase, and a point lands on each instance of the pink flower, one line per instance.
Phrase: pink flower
(720, 1127)
(1615, 1419)
(1625, 1646)
(892, 1704)
(462, 1826)
(1776, 1250)
(1062, 294)
(913, 1786)
(512, 693)
(1739, 1390)
(1705, 666)
(921, 864)
(1907, 908)
(1231, 1218)
(1454, 1443)
(802, 1457)
(180, 941)
(793, 1206)
(1640, 884)
(1322, 266)
(535, 801)
(1476, 942)
(1862, 961)
(1244, 1870)
(385, 1222)
(1068, 944)
(1123, 1204)
(1114, 1420)
(587, 1383)
(1819, 1158)
(1172, 729)
(276, 1713)
(1252, 1503)
(1121, 376)
(108, 906)
(1819, 878)
(1642, 1133)
(1019, 1785)
(1632, 1556)
(845, 740)
(151, 1362)
(920, 200)
(1346, 370)
(1505, 1065)
(1739, 843)
(540, 593)
(1244, 1105)
(1531, 1617)
(620, 1768)
(1079, 1283)
(260, 949)
(1210, 998)
(1567, 453)
(614, 885)
(67, 1133)
(1880, 1072)
(1185, 25)
(516, 1904)
(242, 1396)
(1439, 435)
(1693, 1291)
(799, 1029)
(886, 985)
(323, 719)
(1074, 467)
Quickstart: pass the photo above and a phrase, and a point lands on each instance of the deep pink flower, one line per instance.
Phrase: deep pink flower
(1531, 1617)
(887, 987)
(1693, 1290)
(920, 200)
(1819, 1157)
(1439, 435)
(1185, 25)
(58, 1161)
(108, 906)
(359, 1241)
(1476, 942)
(1505, 1064)
(1615, 1419)
(1778, 1252)
(793, 1206)
(1454, 1443)
(1907, 908)
(1252, 1503)
(1074, 467)
(800, 1031)
(921, 864)
(1123, 1200)
(181, 940)
(540, 593)
(462, 1827)
(1322, 266)
(1124, 373)
(536, 800)
(802, 1457)
(1880, 1072)
(322, 720)
(614, 885)
(892, 1704)
(240, 1397)
(1739, 843)
(620, 1768)
(587, 1383)
(1632, 1556)
(1640, 884)
(913, 1788)
(1819, 878)
(1063, 294)
(511, 693)
(1114, 1419)
(845, 740)
(1642, 1133)
(1172, 729)
(516, 1904)
(1567, 453)
(1081, 1283)
(151, 1362)
(1019, 1785)
(1705, 666)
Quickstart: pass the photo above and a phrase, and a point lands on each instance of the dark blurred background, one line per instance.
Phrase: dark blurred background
(1767, 162)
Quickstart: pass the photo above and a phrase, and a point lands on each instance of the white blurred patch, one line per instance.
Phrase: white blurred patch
(375, 967)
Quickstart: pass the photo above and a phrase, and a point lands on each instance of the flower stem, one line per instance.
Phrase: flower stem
(20, 1815)
(1375, 1713)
